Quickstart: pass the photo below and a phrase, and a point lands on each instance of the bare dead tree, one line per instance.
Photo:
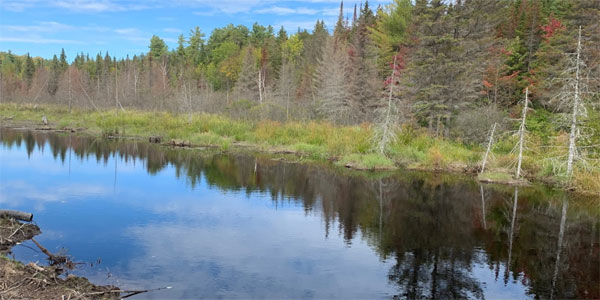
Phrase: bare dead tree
(136, 78)
(285, 85)
(388, 114)
(512, 230)
(576, 110)
(522, 131)
(333, 91)
(571, 100)
(560, 244)
(489, 148)
(483, 206)
(186, 97)
(261, 85)
(70, 93)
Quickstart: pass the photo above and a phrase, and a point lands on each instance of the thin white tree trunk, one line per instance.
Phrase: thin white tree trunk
(483, 206)
(561, 234)
(116, 88)
(86, 94)
(70, 94)
(135, 82)
(522, 133)
(496, 86)
(572, 135)
(512, 229)
(489, 148)
(117, 103)
(260, 91)
(163, 69)
(287, 105)
(389, 108)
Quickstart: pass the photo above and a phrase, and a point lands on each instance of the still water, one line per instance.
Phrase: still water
(244, 226)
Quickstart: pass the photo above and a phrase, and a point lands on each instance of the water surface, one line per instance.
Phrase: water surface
(215, 225)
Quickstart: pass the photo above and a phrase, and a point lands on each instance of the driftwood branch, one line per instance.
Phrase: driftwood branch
(129, 293)
(54, 259)
(19, 215)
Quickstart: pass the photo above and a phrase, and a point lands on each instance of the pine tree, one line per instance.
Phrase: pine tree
(63, 61)
(340, 30)
(362, 71)
(391, 29)
(29, 70)
(158, 48)
(194, 50)
(447, 64)
(54, 76)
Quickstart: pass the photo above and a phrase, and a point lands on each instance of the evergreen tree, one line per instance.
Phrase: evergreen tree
(158, 48)
(54, 76)
(29, 70)
(63, 61)
(391, 28)
(362, 69)
(340, 30)
(195, 48)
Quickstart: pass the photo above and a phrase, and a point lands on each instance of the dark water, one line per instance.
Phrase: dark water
(240, 226)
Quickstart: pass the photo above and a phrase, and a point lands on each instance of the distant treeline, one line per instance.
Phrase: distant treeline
(444, 65)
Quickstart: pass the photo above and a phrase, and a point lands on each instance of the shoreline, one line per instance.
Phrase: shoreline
(32, 281)
(355, 161)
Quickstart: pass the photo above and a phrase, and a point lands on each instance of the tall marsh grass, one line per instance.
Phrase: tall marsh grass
(315, 139)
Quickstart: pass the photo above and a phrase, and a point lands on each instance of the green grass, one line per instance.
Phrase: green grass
(320, 140)
(366, 161)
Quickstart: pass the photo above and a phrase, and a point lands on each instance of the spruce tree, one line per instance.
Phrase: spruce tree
(54, 76)
(29, 70)
(63, 61)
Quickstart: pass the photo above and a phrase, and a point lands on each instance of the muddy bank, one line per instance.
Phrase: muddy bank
(31, 281)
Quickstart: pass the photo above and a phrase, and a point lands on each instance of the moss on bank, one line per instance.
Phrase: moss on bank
(350, 146)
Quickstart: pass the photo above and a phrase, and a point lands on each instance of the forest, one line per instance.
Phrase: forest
(425, 83)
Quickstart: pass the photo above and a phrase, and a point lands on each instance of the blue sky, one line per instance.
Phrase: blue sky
(123, 27)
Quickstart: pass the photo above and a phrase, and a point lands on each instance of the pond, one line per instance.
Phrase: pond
(243, 225)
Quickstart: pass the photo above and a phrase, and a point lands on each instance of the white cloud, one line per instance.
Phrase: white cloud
(173, 30)
(17, 6)
(17, 192)
(127, 31)
(96, 6)
(37, 40)
(278, 10)
(43, 27)
(134, 35)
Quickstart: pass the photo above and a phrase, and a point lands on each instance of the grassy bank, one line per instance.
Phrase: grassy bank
(347, 145)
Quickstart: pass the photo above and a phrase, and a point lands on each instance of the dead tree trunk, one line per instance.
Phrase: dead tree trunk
(386, 124)
(561, 234)
(70, 93)
(572, 135)
(522, 134)
(489, 148)
(260, 86)
(512, 231)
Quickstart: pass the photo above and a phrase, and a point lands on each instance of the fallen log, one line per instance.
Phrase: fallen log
(19, 215)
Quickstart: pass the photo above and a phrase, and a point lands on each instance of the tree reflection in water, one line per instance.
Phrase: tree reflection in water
(436, 227)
